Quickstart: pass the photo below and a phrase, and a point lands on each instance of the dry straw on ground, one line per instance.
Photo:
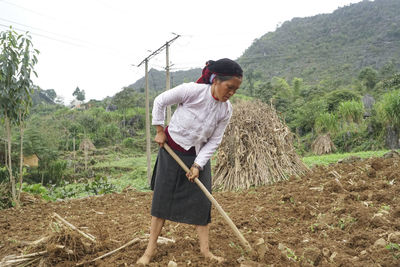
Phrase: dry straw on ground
(257, 149)
(323, 145)
(67, 245)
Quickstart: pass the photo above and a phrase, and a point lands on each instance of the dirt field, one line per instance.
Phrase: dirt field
(339, 215)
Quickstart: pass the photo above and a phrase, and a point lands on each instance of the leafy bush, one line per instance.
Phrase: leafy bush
(55, 172)
(346, 141)
(5, 195)
(128, 142)
(64, 191)
(37, 189)
(351, 111)
(326, 123)
(334, 98)
(100, 186)
(391, 107)
(3, 174)
(101, 141)
(305, 116)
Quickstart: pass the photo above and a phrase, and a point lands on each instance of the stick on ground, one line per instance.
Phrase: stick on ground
(58, 217)
(111, 252)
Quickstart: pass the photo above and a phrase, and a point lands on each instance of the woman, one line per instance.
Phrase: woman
(194, 133)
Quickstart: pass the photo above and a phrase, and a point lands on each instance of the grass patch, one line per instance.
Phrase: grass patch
(333, 158)
(108, 178)
(128, 162)
(136, 177)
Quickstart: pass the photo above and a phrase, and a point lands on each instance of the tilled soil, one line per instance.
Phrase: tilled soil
(345, 214)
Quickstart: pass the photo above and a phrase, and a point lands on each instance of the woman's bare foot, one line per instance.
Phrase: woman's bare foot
(146, 258)
(210, 256)
(155, 230)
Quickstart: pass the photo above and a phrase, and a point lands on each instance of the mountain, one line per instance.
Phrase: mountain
(334, 47)
(41, 96)
(157, 79)
(331, 46)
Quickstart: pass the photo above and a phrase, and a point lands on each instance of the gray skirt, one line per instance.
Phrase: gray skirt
(175, 198)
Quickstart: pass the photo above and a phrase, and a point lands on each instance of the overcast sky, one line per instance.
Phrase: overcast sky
(94, 44)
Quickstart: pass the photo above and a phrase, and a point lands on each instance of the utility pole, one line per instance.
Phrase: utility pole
(148, 144)
(168, 76)
(146, 61)
(168, 81)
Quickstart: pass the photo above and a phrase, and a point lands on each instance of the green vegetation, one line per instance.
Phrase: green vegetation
(330, 47)
(395, 249)
(333, 158)
(111, 176)
(17, 61)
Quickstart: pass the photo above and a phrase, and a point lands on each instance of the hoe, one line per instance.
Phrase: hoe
(212, 199)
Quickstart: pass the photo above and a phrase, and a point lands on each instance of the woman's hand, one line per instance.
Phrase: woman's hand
(161, 137)
(193, 173)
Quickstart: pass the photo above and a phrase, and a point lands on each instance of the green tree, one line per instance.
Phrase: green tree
(297, 84)
(335, 97)
(264, 91)
(284, 94)
(388, 70)
(79, 94)
(306, 115)
(50, 93)
(17, 60)
(369, 77)
(351, 111)
(392, 83)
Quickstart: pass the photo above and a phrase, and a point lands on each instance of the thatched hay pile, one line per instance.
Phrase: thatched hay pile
(86, 144)
(257, 149)
(323, 145)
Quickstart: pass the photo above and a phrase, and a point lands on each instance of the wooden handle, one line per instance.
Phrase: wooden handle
(211, 198)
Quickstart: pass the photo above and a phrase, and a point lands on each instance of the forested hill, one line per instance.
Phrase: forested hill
(331, 46)
(334, 47)
(157, 79)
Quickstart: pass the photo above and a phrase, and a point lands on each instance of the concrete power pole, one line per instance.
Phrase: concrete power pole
(168, 76)
(148, 144)
(168, 82)
(146, 61)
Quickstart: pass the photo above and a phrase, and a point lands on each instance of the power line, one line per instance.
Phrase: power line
(27, 9)
(41, 35)
(39, 29)
(158, 50)
(79, 45)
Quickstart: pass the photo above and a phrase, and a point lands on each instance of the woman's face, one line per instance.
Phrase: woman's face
(223, 90)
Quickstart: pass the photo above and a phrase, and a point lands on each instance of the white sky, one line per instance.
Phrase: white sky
(94, 43)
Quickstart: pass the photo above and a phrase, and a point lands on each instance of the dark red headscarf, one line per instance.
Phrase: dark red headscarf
(221, 67)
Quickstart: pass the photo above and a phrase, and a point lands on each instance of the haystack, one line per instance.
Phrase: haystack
(257, 149)
(89, 145)
(323, 145)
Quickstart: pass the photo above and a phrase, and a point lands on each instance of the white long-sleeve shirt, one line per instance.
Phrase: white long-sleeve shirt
(198, 121)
